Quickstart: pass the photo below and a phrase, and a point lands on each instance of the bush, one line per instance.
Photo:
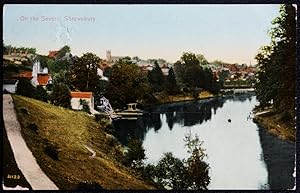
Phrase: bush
(85, 106)
(52, 151)
(61, 96)
(33, 127)
(41, 94)
(25, 111)
(135, 154)
(171, 172)
(25, 88)
(179, 174)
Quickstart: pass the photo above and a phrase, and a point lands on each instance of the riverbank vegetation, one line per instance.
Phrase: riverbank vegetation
(276, 77)
(58, 139)
(171, 172)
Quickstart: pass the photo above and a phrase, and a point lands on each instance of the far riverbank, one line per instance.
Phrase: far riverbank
(163, 98)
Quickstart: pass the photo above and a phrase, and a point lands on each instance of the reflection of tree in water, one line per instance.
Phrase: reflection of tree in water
(183, 113)
(125, 129)
(240, 97)
(191, 113)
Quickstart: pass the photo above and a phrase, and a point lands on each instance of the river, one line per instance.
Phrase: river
(241, 155)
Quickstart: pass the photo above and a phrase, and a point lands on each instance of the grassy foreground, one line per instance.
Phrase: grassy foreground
(69, 133)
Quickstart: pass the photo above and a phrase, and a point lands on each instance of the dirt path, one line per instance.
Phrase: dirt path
(23, 156)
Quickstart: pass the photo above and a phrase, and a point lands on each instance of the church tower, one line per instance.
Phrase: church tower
(108, 55)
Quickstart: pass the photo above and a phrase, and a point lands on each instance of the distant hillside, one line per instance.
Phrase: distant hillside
(63, 140)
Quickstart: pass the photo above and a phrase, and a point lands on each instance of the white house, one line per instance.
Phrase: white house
(87, 96)
(40, 75)
(10, 85)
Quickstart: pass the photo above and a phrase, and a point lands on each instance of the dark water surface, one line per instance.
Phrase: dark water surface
(240, 154)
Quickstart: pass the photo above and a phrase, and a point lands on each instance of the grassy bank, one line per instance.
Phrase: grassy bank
(164, 98)
(58, 139)
(276, 124)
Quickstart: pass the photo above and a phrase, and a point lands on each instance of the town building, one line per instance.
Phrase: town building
(40, 75)
(76, 98)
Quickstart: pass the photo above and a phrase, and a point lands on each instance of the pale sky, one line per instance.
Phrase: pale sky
(231, 33)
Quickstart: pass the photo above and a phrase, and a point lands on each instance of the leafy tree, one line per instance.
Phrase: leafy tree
(189, 70)
(127, 84)
(62, 52)
(83, 75)
(85, 106)
(156, 78)
(170, 172)
(276, 77)
(25, 88)
(41, 94)
(176, 174)
(61, 96)
(135, 154)
(171, 83)
(202, 60)
(43, 60)
(107, 72)
(197, 170)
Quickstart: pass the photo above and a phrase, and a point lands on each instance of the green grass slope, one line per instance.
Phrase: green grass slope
(69, 132)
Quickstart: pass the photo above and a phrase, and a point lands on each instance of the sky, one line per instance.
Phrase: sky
(231, 33)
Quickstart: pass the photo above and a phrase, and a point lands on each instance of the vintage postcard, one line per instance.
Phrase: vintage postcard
(149, 97)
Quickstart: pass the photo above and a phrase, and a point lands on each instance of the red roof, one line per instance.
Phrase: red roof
(52, 54)
(24, 74)
(81, 94)
(43, 79)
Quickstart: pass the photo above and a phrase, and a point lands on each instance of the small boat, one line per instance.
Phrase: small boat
(131, 113)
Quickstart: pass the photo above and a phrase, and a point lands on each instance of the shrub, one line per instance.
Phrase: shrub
(25, 88)
(25, 111)
(85, 106)
(52, 151)
(171, 172)
(135, 154)
(41, 94)
(33, 127)
(60, 96)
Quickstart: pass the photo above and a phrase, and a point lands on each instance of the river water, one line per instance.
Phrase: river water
(240, 154)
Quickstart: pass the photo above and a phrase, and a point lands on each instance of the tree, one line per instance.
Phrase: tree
(189, 70)
(43, 60)
(171, 83)
(276, 77)
(193, 173)
(25, 88)
(62, 52)
(41, 94)
(83, 75)
(171, 172)
(202, 60)
(127, 84)
(85, 106)
(156, 78)
(197, 169)
(61, 96)
(135, 154)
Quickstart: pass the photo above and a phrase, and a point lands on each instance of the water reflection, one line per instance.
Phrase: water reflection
(237, 150)
(182, 113)
(279, 157)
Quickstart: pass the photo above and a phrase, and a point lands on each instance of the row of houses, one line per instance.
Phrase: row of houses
(233, 71)
(39, 76)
